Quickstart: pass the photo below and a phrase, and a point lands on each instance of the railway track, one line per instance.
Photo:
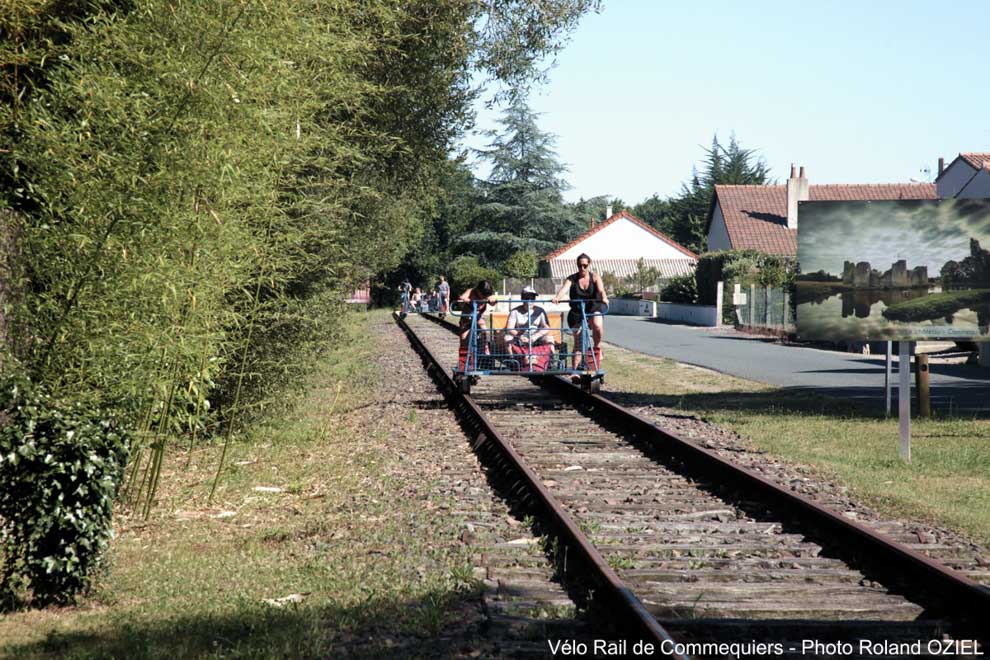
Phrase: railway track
(680, 546)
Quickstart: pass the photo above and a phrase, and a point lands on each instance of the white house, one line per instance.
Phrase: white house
(616, 246)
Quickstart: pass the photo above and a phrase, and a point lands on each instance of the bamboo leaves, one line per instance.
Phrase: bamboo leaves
(200, 183)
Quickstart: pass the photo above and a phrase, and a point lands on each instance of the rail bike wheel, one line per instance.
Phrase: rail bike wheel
(591, 384)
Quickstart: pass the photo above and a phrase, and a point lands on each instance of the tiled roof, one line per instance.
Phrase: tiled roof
(561, 268)
(615, 218)
(756, 216)
(977, 160)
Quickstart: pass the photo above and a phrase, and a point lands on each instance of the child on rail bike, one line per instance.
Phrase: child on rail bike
(483, 294)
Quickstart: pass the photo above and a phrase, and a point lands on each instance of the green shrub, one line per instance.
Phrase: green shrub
(61, 465)
(466, 271)
(743, 267)
(521, 264)
(680, 289)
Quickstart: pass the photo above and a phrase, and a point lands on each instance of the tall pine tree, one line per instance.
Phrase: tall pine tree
(521, 206)
(730, 164)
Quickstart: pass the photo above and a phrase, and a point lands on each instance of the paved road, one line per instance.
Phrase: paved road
(964, 388)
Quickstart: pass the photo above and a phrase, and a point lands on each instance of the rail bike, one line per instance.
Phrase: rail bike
(408, 306)
(530, 351)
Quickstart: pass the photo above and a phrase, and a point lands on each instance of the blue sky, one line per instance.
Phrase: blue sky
(856, 92)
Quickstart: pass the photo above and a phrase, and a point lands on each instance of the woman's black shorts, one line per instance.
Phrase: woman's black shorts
(574, 316)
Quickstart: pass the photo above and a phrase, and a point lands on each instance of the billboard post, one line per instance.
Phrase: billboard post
(886, 375)
(904, 399)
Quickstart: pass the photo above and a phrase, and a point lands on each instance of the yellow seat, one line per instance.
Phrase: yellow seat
(497, 321)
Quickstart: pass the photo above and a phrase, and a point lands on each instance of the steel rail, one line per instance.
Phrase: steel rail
(631, 613)
(957, 589)
(959, 592)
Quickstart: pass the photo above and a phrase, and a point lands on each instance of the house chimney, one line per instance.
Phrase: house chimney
(941, 165)
(797, 191)
(592, 222)
(608, 211)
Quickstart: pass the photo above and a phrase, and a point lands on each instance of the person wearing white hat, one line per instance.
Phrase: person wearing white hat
(527, 323)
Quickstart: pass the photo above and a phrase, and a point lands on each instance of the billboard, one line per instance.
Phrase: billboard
(903, 270)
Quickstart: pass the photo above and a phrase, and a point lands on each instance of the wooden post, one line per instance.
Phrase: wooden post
(921, 384)
(904, 399)
(785, 309)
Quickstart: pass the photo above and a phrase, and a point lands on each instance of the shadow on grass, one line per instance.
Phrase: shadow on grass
(949, 401)
(438, 625)
(759, 401)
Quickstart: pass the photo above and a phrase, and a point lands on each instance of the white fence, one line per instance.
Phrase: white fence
(706, 315)
(626, 307)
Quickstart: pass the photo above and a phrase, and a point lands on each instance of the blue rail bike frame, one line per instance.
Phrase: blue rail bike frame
(484, 359)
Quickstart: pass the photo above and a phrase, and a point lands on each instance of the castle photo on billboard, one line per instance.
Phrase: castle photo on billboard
(902, 270)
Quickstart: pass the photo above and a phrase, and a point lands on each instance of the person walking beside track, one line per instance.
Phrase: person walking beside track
(444, 290)
(405, 290)
(585, 288)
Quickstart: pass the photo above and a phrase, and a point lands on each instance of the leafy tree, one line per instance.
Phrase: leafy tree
(595, 208)
(645, 277)
(452, 215)
(521, 264)
(515, 35)
(466, 271)
(655, 212)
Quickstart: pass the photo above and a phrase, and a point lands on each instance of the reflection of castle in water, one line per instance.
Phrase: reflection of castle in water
(859, 303)
(862, 276)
